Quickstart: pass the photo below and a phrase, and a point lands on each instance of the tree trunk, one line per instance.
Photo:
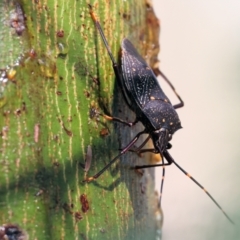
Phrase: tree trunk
(54, 70)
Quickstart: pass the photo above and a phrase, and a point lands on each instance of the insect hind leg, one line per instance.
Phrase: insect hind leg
(114, 62)
(94, 113)
(179, 105)
(115, 119)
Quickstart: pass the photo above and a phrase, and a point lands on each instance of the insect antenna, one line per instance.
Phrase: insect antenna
(169, 158)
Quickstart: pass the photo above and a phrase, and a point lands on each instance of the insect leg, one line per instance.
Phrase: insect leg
(110, 118)
(179, 105)
(143, 144)
(114, 159)
(151, 150)
(169, 158)
(114, 63)
(169, 162)
(138, 150)
(94, 113)
(151, 165)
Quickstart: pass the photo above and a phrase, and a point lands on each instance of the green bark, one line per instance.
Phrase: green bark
(45, 123)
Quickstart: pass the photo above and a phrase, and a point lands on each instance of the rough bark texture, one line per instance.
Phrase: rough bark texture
(58, 70)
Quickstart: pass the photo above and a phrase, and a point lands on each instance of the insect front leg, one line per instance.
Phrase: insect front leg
(169, 162)
(114, 159)
(114, 62)
(139, 150)
(151, 165)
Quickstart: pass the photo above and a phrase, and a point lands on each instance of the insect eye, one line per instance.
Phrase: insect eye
(169, 146)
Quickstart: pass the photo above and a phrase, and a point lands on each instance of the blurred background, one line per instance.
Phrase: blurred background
(200, 54)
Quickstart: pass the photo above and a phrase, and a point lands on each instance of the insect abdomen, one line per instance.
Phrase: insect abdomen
(162, 115)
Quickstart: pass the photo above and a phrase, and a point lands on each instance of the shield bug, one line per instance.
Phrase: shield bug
(144, 96)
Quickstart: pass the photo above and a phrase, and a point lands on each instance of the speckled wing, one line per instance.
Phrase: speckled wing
(138, 78)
